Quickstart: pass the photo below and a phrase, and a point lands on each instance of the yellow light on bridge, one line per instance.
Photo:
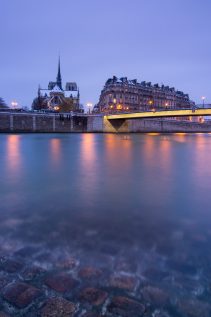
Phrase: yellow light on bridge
(162, 113)
(150, 102)
(153, 133)
(119, 107)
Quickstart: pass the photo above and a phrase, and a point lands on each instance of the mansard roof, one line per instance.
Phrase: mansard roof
(146, 85)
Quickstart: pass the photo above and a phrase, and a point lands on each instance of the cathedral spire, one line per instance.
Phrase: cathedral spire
(59, 77)
(38, 91)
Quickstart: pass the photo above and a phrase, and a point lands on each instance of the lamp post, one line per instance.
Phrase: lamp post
(89, 105)
(203, 99)
(14, 104)
(150, 102)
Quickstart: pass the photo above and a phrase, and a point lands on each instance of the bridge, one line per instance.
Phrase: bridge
(160, 114)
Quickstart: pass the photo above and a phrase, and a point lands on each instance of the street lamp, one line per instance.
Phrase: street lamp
(203, 99)
(89, 106)
(14, 104)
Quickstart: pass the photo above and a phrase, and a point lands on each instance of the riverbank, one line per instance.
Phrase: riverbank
(54, 123)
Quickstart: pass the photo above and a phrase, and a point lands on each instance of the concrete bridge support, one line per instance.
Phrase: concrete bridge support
(115, 126)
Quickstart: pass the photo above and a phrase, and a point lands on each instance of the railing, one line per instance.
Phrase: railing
(162, 113)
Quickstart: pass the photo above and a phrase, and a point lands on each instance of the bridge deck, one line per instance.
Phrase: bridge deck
(160, 114)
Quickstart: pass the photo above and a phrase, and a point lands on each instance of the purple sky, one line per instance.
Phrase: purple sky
(164, 41)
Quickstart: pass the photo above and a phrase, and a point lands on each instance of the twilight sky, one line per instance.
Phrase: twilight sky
(162, 41)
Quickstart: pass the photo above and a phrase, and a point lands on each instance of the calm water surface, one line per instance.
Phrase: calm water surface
(140, 199)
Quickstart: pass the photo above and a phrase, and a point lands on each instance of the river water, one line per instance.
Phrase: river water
(135, 205)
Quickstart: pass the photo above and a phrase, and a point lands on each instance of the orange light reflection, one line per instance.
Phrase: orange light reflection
(13, 154)
(89, 170)
(55, 145)
(201, 160)
(158, 154)
(117, 147)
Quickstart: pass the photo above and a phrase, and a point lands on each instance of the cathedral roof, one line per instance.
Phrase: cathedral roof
(56, 88)
(71, 93)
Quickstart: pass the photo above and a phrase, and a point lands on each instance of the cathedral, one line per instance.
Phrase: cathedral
(55, 98)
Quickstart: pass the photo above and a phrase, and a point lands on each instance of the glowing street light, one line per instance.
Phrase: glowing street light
(89, 106)
(201, 119)
(203, 99)
(14, 104)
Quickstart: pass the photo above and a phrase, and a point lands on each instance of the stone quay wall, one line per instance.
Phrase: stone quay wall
(28, 122)
(55, 123)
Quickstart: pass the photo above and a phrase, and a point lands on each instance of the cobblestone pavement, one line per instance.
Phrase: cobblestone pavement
(42, 280)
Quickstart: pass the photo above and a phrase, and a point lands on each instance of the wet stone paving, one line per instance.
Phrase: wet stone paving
(42, 280)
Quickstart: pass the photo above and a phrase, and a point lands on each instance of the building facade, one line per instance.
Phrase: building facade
(121, 94)
(55, 98)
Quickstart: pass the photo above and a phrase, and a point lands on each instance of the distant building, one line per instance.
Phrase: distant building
(121, 94)
(56, 98)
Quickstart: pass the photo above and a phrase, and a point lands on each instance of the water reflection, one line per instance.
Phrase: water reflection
(158, 168)
(150, 149)
(180, 137)
(88, 151)
(88, 167)
(201, 161)
(13, 155)
(166, 154)
(56, 151)
(117, 147)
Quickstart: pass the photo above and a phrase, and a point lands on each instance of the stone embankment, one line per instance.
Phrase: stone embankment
(30, 122)
(56, 123)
